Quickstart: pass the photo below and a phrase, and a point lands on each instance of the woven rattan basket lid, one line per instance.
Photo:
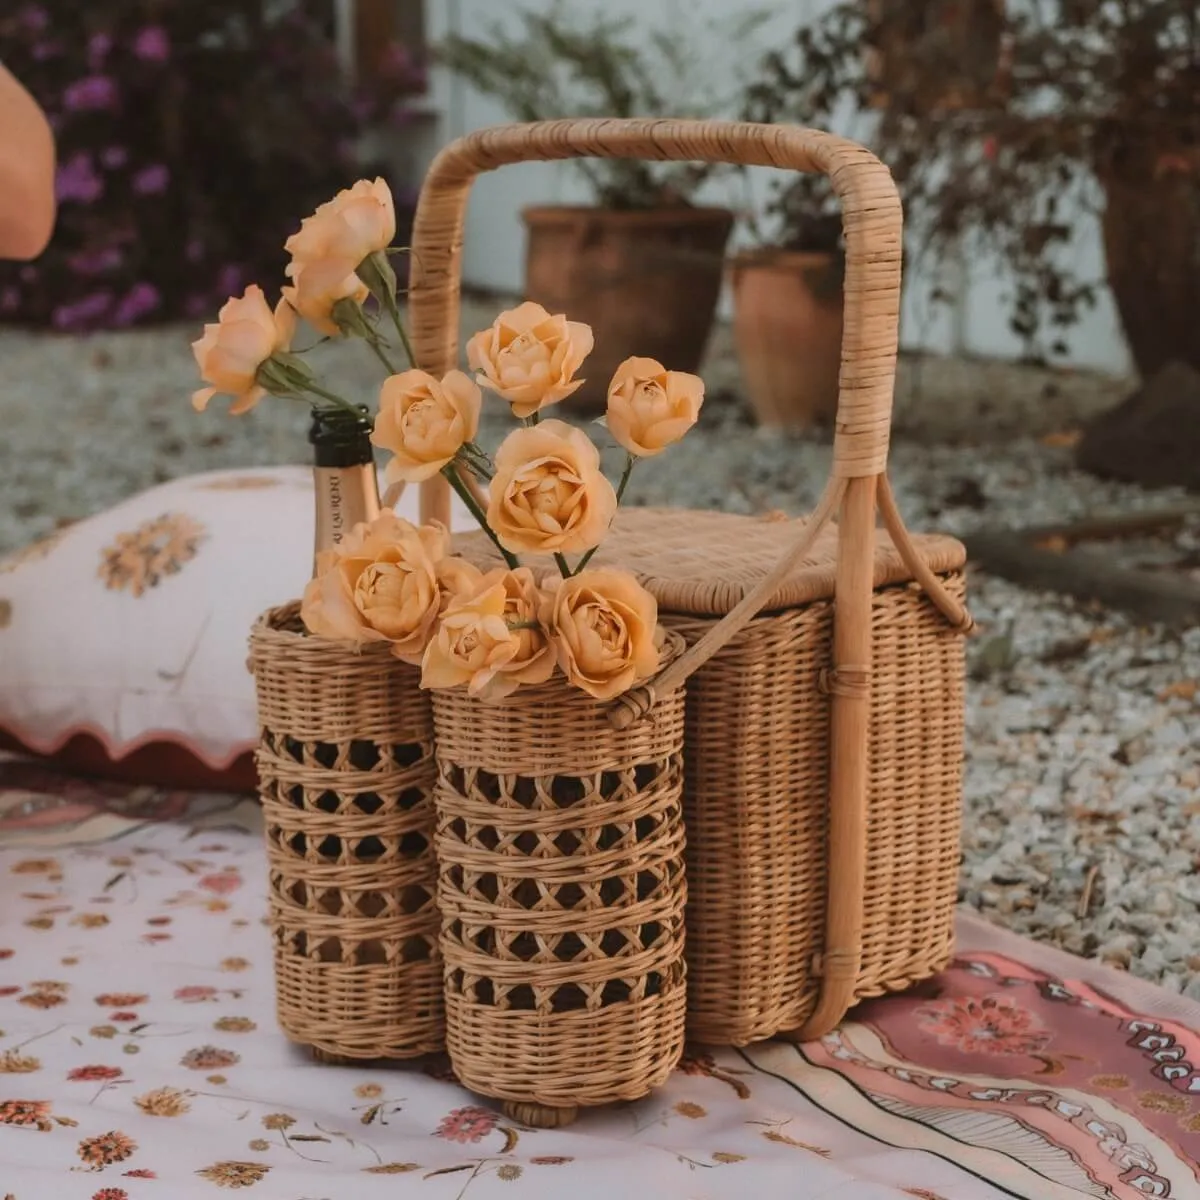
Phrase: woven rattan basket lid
(702, 563)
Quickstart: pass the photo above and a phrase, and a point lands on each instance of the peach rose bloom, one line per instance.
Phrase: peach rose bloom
(456, 577)
(230, 352)
(355, 224)
(649, 407)
(317, 286)
(477, 642)
(549, 494)
(530, 357)
(602, 623)
(424, 422)
(379, 585)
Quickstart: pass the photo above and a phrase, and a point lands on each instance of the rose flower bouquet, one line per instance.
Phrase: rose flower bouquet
(543, 493)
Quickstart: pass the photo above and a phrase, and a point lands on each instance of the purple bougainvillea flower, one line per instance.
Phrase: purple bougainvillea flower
(98, 47)
(90, 93)
(229, 280)
(35, 18)
(152, 44)
(142, 298)
(114, 157)
(83, 312)
(10, 299)
(95, 262)
(150, 181)
(76, 179)
(44, 50)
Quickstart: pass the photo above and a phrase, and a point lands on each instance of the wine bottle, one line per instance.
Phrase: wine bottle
(345, 485)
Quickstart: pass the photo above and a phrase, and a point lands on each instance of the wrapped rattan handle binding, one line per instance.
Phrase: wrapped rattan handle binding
(858, 487)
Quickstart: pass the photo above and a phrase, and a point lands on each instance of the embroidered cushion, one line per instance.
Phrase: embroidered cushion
(123, 636)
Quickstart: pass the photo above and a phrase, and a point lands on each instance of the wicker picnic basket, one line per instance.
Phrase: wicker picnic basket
(561, 888)
(346, 775)
(826, 661)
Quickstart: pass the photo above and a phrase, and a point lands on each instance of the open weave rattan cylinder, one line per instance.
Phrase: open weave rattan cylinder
(346, 773)
(560, 844)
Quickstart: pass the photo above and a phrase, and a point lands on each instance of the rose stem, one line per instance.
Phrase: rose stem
(379, 354)
(465, 494)
(629, 461)
(394, 312)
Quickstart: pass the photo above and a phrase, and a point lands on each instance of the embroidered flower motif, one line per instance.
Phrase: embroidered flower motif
(123, 1016)
(111, 1193)
(38, 866)
(108, 1148)
(90, 920)
(221, 882)
(94, 1074)
(278, 1121)
(195, 993)
(209, 1058)
(234, 1025)
(121, 999)
(508, 1172)
(259, 1145)
(368, 1091)
(235, 1174)
(140, 1173)
(103, 1031)
(26, 1112)
(685, 1108)
(991, 1025)
(467, 1125)
(164, 1102)
(12, 1062)
(42, 999)
(140, 560)
(235, 964)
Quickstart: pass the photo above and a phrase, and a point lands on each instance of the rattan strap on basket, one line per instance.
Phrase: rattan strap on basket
(857, 491)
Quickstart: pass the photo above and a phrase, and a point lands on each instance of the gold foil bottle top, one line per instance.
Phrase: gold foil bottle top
(345, 486)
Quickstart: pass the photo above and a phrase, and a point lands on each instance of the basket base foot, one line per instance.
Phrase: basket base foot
(330, 1059)
(540, 1116)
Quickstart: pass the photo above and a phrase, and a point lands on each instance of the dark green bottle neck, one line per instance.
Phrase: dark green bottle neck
(340, 438)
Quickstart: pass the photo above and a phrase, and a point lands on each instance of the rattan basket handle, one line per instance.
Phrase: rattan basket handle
(857, 491)
(871, 214)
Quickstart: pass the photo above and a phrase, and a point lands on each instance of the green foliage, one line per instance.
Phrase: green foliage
(545, 66)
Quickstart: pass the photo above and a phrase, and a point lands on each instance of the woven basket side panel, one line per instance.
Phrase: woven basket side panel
(755, 801)
(346, 770)
(915, 794)
(562, 896)
(756, 804)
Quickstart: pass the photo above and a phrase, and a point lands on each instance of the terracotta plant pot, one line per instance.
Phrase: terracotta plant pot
(787, 326)
(646, 281)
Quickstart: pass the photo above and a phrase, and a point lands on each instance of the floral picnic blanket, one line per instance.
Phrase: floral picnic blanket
(140, 1060)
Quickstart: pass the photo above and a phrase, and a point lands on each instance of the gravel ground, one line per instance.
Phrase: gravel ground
(1083, 780)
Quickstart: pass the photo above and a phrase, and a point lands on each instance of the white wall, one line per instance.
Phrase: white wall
(494, 252)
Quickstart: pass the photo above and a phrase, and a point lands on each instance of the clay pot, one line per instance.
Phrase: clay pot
(787, 327)
(646, 281)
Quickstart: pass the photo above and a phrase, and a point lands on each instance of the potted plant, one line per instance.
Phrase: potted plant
(1047, 121)
(643, 263)
(787, 307)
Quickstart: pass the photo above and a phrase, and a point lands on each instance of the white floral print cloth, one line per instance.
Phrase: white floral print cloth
(139, 1060)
